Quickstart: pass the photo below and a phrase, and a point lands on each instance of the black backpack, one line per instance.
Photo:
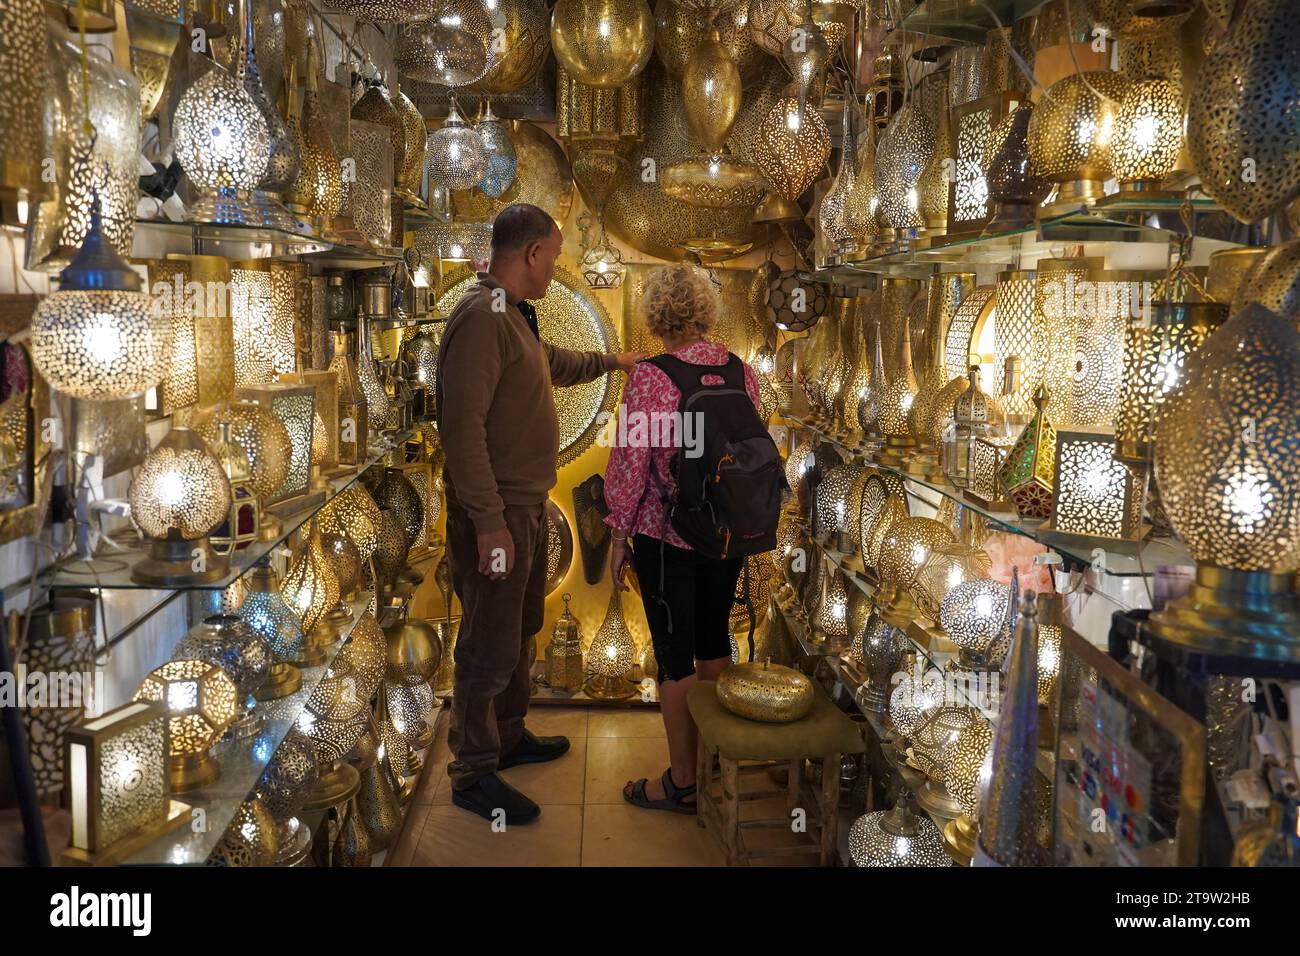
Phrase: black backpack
(728, 497)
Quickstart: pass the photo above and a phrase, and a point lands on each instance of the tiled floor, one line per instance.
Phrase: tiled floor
(584, 821)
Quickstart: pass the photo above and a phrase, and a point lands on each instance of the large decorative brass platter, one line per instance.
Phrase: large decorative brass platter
(568, 318)
(543, 178)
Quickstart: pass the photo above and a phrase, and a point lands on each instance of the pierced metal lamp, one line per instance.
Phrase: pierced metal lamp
(201, 702)
(611, 657)
(267, 613)
(179, 496)
(96, 338)
(897, 837)
(1232, 492)
(311, 588)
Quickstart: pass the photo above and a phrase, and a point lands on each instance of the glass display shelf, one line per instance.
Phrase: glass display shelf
(354, 257)
(1114, 558)
(241, 763)
(111, 570)
(1042, 237)
(158, 238)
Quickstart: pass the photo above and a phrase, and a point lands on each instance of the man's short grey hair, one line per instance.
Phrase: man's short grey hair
(518, 225)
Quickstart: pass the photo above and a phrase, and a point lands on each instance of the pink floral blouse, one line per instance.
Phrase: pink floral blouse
(632, 495)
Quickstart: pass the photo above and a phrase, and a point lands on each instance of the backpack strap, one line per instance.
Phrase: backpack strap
(686, 375)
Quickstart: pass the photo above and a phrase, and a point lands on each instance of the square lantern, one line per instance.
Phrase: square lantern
(326, 384)
(243, 524)
(116, 784)
(1096, 496)
(984, 481)
(972, 125)
(295, 405)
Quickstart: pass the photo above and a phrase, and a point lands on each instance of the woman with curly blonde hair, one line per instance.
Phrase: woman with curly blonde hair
(687, 597)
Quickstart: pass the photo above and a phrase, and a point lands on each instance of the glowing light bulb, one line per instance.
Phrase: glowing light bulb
(102, 339)
(605, 28)
(171, 490)
(983, 605)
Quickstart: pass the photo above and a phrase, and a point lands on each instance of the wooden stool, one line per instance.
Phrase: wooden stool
(824, 735)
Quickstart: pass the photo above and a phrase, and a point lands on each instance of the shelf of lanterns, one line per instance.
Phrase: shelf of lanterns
(240, 757)
(1098, 230)
(116, 570)
(1111, 557)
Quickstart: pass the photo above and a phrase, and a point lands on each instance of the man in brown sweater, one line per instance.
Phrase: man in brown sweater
(496, 418)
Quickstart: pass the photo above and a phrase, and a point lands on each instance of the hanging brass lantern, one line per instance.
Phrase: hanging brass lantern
(793, 145)
(678, 32)
(1070, 134)
(521, 42)
(604, 43)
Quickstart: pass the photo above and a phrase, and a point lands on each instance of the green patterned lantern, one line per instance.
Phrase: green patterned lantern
(1028, 473)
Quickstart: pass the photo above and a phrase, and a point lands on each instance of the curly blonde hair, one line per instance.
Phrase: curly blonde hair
(679, 300)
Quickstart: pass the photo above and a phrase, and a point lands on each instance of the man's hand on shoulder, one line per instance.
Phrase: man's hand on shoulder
(626, 361)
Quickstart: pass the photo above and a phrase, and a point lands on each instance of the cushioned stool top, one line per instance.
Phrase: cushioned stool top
(825, 730)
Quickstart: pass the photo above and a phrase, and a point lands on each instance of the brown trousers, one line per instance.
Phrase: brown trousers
(496, 646)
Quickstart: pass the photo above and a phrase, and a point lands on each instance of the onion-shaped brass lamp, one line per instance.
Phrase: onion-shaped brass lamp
(222, 143)
(355, 515)
(947, 566)
(262, 439)
(390, 554)
(1231, 485)
(457, 158)
(611, 657)
(201, 702)
(1070, 135)
(311, 588)
(179, 496)
(793, 144)
(454, 47)
(265, 611)
(1015, 190)
(906, 547)
(414, 651)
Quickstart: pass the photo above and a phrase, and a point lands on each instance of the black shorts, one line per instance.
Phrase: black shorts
(697, 597)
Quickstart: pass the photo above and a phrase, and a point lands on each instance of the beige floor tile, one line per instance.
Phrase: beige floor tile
(613, 761)
(547, 721)
(642, 722)
(401, 854)
(559, 781)
(456, 837)
(623, 835)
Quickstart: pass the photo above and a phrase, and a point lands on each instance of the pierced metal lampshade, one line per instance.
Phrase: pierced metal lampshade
(793, 144)
(714, 182)
(413, 651)
(963, 763)
(602, 43)
(261, 438)
(914, 697)
(452, 48)
(266, 613)
(499, 150)
(318, 191)
(283, 159)
(384, 11)
(1014, 188)
(947, 566)
(227, 641)
(1096, 496)
(1136, 19)
(178, 497)
(793, 305)
(1155, 354)
(897, 837)
(24, 62)
(1070, 135)
(311, 588)
(221, 140)
(972, 614)
(1231, 490)
(391, 550)
(290, 774)
(396, 493)
(454, 241)
(370, 194)
(1232, 116)
(85, 168)
(354, 514)
(771, 22)
(201, 702)
(97, 338)
(415, 145)
(1148, 135)
(611, 656)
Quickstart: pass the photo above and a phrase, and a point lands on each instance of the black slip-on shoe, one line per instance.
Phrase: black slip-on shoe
(489, 795)
(534, 749)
